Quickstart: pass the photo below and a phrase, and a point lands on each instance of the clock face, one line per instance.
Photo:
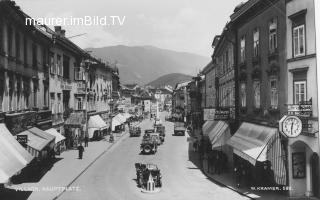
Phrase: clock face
(292, 126)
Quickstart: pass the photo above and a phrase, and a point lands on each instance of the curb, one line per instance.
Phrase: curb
(90, 164)
(224, 185)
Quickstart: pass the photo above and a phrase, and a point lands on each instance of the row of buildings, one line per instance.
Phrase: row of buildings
(48, 82)
(263, 70)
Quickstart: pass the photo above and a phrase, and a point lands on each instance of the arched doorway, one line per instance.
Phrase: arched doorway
(314, 162)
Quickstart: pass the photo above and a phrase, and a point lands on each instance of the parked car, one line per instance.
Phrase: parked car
(179, 128)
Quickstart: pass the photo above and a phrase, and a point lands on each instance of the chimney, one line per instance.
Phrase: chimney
(63, 33)
(57, 29)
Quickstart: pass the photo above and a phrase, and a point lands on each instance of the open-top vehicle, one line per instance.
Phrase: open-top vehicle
(149, 144)
(144, 171)
(179, 128)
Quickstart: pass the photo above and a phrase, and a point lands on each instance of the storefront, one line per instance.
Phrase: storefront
(40, 144)
(13, 156)
(59, 145)
(258, 151)
(96, 127)
(74, 129)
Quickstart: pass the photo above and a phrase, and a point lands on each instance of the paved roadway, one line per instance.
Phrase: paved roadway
(112, 177)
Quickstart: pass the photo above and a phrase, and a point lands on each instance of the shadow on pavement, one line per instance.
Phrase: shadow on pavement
(34, 172)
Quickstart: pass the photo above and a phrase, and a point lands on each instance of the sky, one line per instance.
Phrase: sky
(180, 25)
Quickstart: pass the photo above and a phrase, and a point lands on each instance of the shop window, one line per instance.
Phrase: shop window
(274, 93)
(242, 49)
(273, 43)
(299, 41)
(256, 42)
(243, 95)
(300, 91)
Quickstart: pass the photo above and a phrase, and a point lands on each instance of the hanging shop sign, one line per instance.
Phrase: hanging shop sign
(222, 114)
(290, 125)
(209, 114)
(304, 109)
(22, 139)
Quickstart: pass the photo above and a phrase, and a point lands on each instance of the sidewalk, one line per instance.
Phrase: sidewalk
(68, 169)
(227, 180)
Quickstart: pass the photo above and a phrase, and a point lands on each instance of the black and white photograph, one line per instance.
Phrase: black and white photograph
(159, 100)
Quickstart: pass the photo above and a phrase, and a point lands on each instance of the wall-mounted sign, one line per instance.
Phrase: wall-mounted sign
(304, 109)
(222, 114)
(299, 165)
(208, 114)
(66, 87)
(291, 126)
(22, 139)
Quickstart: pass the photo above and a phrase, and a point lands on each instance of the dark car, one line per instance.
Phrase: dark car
(179, 128)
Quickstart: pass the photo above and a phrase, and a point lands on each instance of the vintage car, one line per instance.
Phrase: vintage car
(143, 172)
(179, 128)
(149, 144)
(162, 130)
(135, 131)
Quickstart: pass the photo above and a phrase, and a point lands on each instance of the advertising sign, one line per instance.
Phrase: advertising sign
(208, 114)
(22, 139)
(222, 114)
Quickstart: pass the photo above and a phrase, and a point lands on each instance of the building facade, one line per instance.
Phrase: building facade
(302, 89)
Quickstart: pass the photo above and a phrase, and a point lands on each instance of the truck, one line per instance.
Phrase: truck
(179, 128)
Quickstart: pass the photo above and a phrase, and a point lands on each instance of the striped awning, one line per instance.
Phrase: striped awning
(260, 143)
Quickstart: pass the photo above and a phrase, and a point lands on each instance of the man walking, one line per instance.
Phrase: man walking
(80, 150)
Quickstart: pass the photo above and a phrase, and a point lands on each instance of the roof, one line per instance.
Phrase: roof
(180, 85)
(58, 136)
(207, 68)
(37, 139)
(242, 8)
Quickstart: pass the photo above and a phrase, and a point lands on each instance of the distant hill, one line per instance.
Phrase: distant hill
(143, 64)
(170, 79)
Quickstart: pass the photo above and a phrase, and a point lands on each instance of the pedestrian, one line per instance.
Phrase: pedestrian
(86, 141)
(80, 150)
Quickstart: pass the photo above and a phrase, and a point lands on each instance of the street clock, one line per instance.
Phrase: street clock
(291, 126)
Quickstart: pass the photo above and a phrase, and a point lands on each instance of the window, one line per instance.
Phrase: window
(298, 41)
(256, 46)
(17, 45)
(10, 32)
(274, 93)
(34, 55)
(300, 91)
(273, 35)
(79, 104)
(243, 95)
(66, 67)
(59, 106)
(59, 66)
(242, 49)
(52, 99)
(52, 65)
(1, 37)
(79, 74)
(25, 51)
(256, 90)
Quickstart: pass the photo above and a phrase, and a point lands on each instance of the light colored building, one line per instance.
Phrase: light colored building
(302, 87)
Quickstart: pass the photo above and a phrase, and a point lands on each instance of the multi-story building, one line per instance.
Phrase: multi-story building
(209, 73)
(24, 87)
(259, 29)
(302, 90)
(180, 99)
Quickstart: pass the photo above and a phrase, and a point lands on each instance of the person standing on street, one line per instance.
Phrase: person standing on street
(80, 151)
(86, 141)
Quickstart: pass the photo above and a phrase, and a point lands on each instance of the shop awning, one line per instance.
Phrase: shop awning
(207, 127)
(220, 134)
(13, 157)
(251, 140)
(37, 139)
(76, 120)
(117, 121)
(97, 122)
(55, 133)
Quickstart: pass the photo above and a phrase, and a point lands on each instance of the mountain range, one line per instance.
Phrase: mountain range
(144, 64)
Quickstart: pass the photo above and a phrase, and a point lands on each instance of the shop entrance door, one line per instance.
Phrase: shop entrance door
(315, 174)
